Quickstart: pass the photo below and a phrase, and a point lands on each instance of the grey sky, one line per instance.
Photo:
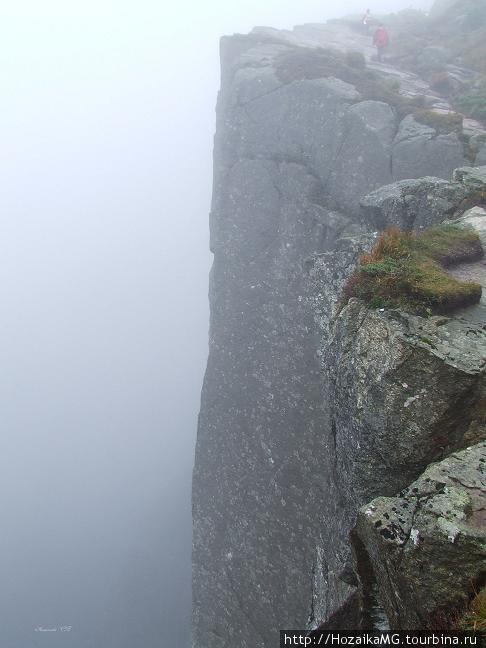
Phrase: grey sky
(107, 119)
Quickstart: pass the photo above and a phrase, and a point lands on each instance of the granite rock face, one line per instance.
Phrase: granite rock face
(427, 546)
(475, 219)
(319, 123)
(259, 495)
(481, 155)
(257, 492)
(412, 204)
(418, 148)
(405, 391)
(415, 204)
(271, 512)
(473, 179)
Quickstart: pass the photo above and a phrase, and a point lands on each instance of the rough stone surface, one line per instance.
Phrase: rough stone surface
(474, 218)
(473, 178)
(290, 160)
(330, 270)
(415, 204)
(481, 155)
(412, 204)
(258, 494)
(404, 391)
(316, 123)
(419, 151)
(291, 163)
(427, 546)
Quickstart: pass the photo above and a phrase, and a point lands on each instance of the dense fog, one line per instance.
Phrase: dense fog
(107, 120)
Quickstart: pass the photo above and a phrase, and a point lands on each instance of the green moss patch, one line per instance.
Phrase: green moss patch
(407, 271)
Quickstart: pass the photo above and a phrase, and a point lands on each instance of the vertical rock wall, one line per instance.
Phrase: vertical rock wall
(292, 161)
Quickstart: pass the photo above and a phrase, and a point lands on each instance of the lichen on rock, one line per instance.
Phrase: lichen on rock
(427, 545)
(409, 271)
(405, 391)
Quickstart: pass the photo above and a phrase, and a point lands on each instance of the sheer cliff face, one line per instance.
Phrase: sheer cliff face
(292, 161)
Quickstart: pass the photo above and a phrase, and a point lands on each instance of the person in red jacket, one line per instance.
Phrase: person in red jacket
(380, 41)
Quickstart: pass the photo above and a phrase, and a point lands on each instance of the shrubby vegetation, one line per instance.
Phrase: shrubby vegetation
(407, 271)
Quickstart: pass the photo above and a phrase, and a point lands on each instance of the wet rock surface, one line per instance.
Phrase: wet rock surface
(418, 148)
(272, 509)
(404, 391)
(412, 204)
(474, 218)
(427, 546)
(418, 203)
(473, 178)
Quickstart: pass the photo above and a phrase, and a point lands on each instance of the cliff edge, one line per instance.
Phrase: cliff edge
(304, 413)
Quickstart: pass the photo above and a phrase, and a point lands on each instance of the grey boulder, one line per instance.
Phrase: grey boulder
(427, 546)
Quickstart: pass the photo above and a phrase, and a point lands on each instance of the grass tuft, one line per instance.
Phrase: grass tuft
(407, 271)
(475, 618)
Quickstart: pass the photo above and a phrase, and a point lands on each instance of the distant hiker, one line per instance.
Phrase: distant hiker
(380, 41)
(366, 20)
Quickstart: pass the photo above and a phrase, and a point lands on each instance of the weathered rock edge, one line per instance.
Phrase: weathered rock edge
(291, 163)
(426, 547)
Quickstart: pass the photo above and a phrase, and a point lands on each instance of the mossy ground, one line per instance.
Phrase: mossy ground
(407, 271)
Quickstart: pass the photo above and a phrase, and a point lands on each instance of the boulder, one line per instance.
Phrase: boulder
(412, 204)
(474, 218)
(481, 154)
(418, 203)
(418, 150)
(427, 546)
(473, 179)
(404, 391)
